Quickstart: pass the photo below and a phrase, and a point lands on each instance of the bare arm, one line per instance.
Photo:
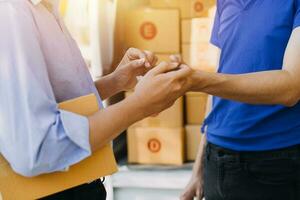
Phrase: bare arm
(269, 87)
(155, 92)
(107, 86)
(195, 186)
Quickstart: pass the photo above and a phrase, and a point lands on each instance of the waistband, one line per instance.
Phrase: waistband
(285, 153)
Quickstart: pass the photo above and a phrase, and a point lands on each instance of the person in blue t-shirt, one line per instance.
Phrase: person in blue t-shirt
(251, 146)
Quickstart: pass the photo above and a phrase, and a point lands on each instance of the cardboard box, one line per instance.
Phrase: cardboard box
(169, 118)
(196, 103)
(137, 3)
(192, 141)
(102, 163)
(201, 56)
(188, 8)
(212, 12)
(156, 146)
(157, 30)
(165, 3)
(197, 30)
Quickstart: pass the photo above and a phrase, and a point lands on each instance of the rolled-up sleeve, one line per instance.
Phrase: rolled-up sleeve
(35, 136)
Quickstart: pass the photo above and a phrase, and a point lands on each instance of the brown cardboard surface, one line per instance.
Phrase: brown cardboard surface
(165, 3)
(200, 55)
(196, 104)
(157, 30)
(193, 138)
(188, 8)
(122, 7)
(169, 118)
(197, 30)
(101, 163)
(156, 146)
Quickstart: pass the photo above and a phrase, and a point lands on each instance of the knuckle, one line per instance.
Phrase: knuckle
(132, 49)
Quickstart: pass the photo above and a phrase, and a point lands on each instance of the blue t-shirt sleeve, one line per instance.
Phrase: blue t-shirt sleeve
(215, 31)
(297, 15)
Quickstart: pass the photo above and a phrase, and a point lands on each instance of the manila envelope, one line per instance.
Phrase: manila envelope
(101, 163)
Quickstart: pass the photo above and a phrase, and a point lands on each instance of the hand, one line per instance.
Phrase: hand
(193, 189)
(135, 54)
(134, 63)
(176, 58)
(160, 87)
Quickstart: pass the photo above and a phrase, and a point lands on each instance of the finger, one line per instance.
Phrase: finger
(198, 196)
(163, 67)
(182, 72)
(151, 58)
(136, 64)
(176, 58)
(134, 53)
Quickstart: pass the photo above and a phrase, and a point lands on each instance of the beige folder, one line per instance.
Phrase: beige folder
(101, 163)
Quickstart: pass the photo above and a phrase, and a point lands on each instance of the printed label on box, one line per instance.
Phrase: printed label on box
(198, 6)
(154, 145)
(148, 30)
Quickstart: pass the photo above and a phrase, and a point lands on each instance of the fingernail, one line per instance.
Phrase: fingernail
(147, 64)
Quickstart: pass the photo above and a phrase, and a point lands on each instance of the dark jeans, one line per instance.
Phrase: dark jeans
(91, 191)
(266, 175)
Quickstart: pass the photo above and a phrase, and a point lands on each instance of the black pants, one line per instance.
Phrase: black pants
(91, 191)
(268, 175)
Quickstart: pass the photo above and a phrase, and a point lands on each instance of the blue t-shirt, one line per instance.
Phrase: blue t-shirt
(252, 36)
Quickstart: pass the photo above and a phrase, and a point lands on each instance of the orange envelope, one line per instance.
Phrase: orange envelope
(101, 163)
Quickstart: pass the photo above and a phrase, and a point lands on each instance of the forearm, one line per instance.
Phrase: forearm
(198, 166)
(269, 87)
(108, 123)
(108, 86)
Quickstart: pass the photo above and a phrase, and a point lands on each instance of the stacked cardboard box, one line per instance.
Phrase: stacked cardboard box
(156, 30)
(196, 107)
(193, 138)
(156, 145)
(158, 140)
(188, 8)
(168, 27)
(196, 103)
(153, 140)
(197, 52)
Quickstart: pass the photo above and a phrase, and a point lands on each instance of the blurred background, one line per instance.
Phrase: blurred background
(155, 155)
